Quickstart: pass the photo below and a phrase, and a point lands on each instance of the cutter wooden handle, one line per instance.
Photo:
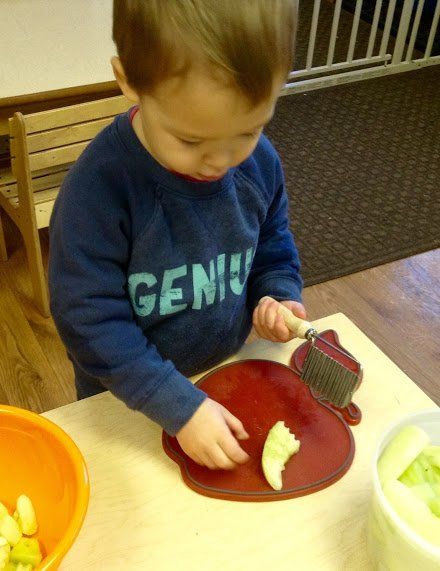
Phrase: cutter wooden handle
(300, 327)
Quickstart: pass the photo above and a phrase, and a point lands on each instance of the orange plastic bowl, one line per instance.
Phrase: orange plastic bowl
(39, 459)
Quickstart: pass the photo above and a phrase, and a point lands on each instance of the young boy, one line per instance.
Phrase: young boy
(173, 225)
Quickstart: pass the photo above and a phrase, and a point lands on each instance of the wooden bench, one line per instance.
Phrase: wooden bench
(43, 147)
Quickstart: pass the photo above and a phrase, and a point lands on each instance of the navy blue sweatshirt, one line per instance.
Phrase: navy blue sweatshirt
(154, 278)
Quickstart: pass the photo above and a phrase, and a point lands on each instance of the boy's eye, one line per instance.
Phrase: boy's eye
(186, 142)
(253, 134)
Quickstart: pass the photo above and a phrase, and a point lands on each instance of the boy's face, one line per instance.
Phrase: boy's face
(200, 127)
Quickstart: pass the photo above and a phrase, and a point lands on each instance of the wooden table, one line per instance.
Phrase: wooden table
(142, 516)
(53, 54)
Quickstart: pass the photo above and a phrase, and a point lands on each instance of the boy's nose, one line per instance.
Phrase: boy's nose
(218, 162)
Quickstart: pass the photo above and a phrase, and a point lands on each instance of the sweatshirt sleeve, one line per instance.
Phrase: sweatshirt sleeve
(276, 267)
(89, 253)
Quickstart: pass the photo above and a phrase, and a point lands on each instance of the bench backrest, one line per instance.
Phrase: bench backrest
(57, 137)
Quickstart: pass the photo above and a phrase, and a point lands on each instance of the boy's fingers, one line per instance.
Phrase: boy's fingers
(296, 307)
(260, 321)
(269, 323)
(265, 299)
(197, 459)
(274, 324)
(229, 444)
(266, 310)
(257, 327)
(235, 425)
(265, 334)
(233, 450)
(257, 319)
(270, 316)
(281, 331)
(221, 460)
(208, 462)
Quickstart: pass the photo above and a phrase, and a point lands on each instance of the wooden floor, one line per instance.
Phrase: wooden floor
(397, 305)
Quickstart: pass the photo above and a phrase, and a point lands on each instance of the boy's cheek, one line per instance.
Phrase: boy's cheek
(180, 162)
(248, 151)
(171, 158)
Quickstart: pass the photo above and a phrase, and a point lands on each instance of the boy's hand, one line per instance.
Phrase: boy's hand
(209, 437)
(269, 324)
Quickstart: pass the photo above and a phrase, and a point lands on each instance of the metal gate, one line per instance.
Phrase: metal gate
(389, 39)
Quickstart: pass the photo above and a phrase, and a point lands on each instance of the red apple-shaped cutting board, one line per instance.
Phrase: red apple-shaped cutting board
(260, 393)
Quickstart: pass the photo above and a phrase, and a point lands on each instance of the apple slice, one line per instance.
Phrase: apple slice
(3, 510)
(5, 550)
(27, 552)
(279, 447)
(433, 455)
(413, 511)
(10, 530)
(400, 452)
(26, 517)
(17, 567)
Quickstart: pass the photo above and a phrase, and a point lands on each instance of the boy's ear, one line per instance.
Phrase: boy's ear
(121, 78)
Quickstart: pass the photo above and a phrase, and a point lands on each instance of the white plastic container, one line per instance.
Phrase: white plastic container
(392, 544)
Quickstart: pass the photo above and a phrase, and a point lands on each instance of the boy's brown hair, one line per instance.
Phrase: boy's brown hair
(249, 41)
